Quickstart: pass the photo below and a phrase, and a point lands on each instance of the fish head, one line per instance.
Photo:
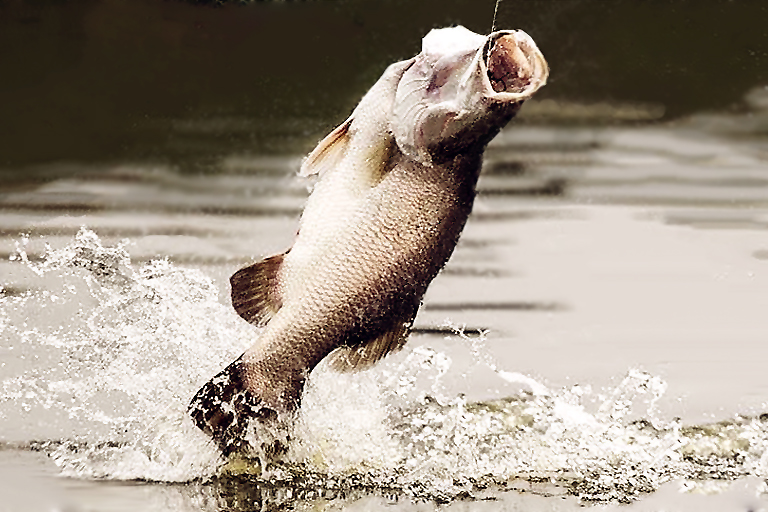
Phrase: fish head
(462, 89)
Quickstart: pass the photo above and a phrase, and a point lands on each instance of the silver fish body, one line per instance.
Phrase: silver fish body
(396, 186)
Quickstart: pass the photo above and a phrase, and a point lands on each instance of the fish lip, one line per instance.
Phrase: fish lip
(536, 61)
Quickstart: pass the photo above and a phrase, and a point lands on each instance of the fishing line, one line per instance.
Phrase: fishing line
(495, 10)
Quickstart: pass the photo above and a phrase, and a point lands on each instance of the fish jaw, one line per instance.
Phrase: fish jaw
(462, 89)
(513, 65)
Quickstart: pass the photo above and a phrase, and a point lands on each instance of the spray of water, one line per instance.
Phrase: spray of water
(105, 356)
(119, 351)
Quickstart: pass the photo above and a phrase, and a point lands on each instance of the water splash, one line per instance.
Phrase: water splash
(396, 431)
(104, 356)
(547, 443)
(125, 348)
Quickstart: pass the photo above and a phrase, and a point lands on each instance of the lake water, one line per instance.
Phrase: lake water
(598, 338)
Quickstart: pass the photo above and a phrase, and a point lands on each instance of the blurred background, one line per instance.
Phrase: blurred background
(88, 82)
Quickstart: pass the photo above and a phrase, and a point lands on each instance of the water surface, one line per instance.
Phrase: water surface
(597, 339)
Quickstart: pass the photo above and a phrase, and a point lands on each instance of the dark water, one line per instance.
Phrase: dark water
(87, 81)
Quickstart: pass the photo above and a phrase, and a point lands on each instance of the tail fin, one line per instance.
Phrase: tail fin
(224, 408)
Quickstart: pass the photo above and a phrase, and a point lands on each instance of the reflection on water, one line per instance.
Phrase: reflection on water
(702, 162)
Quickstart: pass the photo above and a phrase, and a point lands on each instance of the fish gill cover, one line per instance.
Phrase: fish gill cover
(103, 355)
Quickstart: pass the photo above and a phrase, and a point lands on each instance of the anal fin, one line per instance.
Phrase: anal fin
(350, 358)
(255, 290)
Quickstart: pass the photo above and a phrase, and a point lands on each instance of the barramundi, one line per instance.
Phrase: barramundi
(396, 183)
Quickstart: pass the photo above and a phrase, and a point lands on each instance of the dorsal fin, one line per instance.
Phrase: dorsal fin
(255, 290)
(351, 358)
(328, 152)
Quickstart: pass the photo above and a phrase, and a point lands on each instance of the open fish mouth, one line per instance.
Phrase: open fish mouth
(513, 64)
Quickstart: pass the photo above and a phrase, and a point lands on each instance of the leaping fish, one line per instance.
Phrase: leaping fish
(396, 185)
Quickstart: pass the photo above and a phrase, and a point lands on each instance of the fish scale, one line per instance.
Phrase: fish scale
(396, 186)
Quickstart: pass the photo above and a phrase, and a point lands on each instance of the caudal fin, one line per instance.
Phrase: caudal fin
(224, 409)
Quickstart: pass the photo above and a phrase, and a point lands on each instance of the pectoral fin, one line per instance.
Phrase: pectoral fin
(255, 290)
(328, 152)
